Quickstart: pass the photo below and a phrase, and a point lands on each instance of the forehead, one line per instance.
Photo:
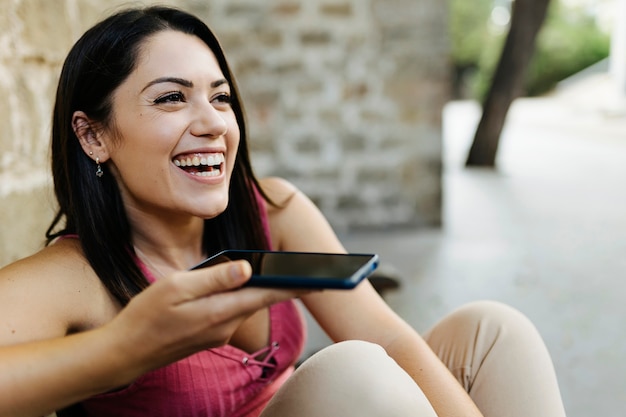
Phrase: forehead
(171, 52)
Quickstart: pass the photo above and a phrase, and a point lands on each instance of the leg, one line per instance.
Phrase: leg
(349, 379)
(499, 357)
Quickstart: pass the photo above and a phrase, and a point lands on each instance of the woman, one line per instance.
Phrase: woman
(152, 175)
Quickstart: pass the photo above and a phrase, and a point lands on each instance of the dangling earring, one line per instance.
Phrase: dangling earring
(99, 171)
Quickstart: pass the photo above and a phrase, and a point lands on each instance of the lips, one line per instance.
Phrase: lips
(201, 164)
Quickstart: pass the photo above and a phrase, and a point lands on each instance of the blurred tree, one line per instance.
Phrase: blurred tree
(508, 80)
(570, 40)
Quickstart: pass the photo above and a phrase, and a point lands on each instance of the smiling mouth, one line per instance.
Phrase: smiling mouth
(202, 165)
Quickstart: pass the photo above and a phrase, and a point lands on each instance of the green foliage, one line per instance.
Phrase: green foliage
(469, 33)
(468, 29)
(569, 42)
(488, 60)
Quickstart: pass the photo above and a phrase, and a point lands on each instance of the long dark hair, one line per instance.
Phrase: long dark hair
(91, 207)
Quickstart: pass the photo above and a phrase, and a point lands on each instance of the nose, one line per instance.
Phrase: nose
(208, 121)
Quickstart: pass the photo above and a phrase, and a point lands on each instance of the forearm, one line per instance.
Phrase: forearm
(39, 377)
(444, 392)
(171, 319)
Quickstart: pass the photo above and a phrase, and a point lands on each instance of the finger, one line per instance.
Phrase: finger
(190, 285)
(242, 302)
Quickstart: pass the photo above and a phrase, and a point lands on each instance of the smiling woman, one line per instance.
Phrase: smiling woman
(152, 175)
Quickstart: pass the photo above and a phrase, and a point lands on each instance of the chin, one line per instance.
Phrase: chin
(213, 210)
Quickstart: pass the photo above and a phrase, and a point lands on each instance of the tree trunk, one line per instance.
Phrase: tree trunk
(508, 80)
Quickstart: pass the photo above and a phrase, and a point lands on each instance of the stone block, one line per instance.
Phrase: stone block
(316, 38)
(336, 9)
(287, 9)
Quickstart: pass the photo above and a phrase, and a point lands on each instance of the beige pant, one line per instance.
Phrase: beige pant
(493, 350)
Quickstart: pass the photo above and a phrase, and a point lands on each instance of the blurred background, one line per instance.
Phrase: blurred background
(371, 108)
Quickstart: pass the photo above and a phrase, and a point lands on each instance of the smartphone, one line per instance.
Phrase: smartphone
(312, 270)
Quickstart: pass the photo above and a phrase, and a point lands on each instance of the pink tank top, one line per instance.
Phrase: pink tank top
(220, 382)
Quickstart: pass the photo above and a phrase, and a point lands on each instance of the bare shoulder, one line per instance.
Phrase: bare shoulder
(296, 223)
(278, 189)
(50, 294)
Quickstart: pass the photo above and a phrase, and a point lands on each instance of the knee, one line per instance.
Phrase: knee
(493, 313)
(494, 318)
(349, 353)
(353, 362)
(361, 374)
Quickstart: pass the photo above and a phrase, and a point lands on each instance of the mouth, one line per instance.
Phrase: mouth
(201, 164)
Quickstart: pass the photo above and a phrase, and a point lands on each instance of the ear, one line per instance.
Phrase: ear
(88, 135)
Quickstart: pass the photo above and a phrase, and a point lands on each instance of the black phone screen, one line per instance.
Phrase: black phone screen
(302, 269)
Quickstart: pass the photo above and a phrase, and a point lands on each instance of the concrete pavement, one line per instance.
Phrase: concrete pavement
(544, 232)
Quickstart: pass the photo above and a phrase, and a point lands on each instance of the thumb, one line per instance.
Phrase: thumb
(213, 279)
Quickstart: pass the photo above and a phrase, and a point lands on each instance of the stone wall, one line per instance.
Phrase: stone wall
(343, 98)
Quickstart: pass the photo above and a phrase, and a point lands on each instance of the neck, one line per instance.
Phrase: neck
(165, 248)
(166, 241)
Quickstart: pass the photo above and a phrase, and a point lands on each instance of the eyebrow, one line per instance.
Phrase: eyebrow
(182, 81)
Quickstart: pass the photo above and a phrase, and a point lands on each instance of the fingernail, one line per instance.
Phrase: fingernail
(239, 270)
(235, 271)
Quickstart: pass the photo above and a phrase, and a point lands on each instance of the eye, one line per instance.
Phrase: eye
(172, 97)
(222, 98)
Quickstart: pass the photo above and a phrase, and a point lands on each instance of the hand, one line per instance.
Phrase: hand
(189, 311)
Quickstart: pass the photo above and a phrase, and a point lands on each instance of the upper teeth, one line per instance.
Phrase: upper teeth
(197, 160)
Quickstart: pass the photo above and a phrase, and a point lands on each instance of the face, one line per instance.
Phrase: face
(174, 137)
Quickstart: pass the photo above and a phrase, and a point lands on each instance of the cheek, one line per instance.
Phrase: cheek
(139, 159)
(233, 141)
(147, 141)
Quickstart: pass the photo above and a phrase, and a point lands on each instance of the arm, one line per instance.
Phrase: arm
(42, 369)
(361, 313)
(37, 378)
